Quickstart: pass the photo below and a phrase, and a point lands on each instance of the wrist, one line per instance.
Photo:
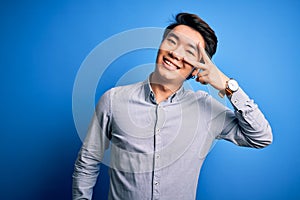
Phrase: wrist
(231, 86)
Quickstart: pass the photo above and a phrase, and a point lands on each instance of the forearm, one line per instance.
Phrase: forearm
(247, 126)
(85, 175)
(87, 165)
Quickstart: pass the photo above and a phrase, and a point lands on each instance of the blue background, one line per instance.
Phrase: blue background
(43, 44)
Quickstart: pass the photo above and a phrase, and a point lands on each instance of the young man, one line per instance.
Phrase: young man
(159, 133)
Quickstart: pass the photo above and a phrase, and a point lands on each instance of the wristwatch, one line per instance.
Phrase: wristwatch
(231, 87)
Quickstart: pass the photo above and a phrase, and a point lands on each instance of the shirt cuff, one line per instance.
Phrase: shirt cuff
(239, 99)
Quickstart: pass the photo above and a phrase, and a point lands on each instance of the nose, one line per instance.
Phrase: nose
(175, 55)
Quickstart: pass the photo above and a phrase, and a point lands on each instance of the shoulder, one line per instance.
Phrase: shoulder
(125, 89)
(199, 95)
(117, 94)
(122, 91)
(207, 102)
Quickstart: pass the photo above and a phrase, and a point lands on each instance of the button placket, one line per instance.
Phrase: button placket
(158, 143)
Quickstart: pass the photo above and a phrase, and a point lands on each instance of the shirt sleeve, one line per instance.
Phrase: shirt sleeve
(246, 125)
(87, 165)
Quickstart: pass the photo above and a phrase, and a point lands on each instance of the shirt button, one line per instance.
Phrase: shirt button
(156, 183)
(157, 156)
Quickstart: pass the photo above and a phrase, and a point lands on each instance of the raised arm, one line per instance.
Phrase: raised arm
(246, 125)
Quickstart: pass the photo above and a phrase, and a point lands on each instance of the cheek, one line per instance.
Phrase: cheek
(161, 52)
(166, 47)
(188, 68)
(159, 57)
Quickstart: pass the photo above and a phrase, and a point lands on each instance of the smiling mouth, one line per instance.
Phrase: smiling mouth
(170, 65)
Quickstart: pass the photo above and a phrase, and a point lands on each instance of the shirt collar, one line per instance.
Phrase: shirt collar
(149, 94)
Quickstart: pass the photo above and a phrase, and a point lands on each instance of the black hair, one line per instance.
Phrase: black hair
(199, 25)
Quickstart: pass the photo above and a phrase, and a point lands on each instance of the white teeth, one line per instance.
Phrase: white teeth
(169, 63)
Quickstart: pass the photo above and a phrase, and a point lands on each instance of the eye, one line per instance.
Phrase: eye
(171, 41)
(191, 53)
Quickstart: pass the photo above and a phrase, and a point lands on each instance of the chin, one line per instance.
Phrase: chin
(165, 75)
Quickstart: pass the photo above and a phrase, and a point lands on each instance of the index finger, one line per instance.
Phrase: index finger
(194, 64)
(206, 58)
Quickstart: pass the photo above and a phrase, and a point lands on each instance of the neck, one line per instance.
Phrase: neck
(162, 90)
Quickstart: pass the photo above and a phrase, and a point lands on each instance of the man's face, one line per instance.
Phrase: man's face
(181, 42)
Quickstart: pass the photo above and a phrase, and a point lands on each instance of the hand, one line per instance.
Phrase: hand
(207, 72)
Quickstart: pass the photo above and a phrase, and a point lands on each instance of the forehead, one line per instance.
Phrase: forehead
(188, 34)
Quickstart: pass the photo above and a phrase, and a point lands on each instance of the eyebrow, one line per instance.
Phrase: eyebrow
(189, 44)
(173, 35)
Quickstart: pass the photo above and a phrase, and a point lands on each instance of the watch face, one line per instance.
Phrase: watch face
(233, 85)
